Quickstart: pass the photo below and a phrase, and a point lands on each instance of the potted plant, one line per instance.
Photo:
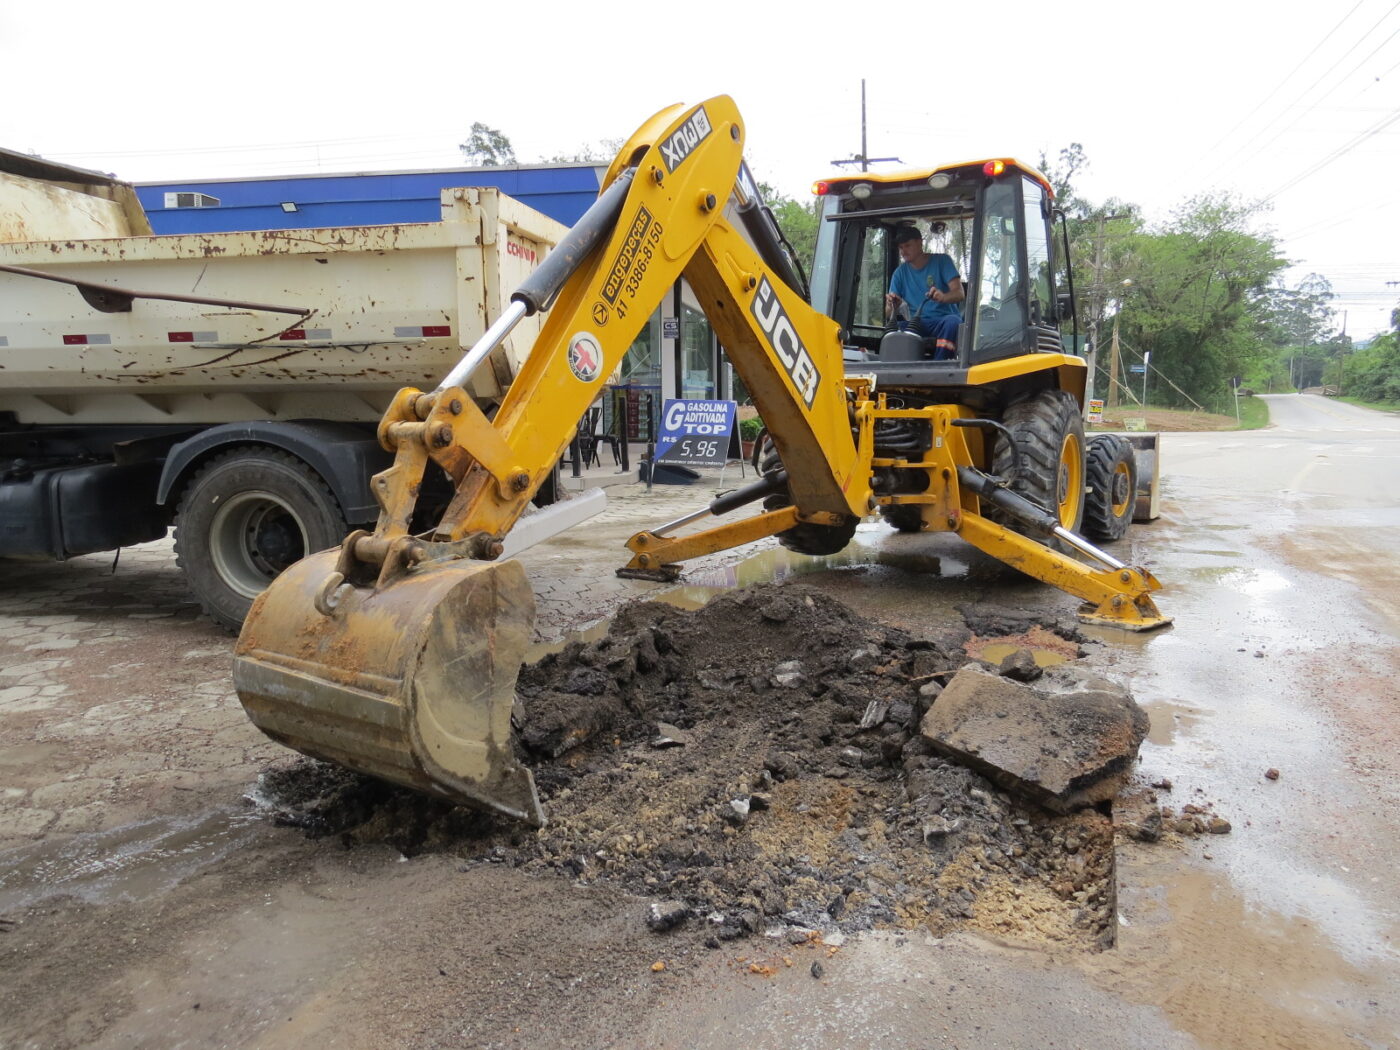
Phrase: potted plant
(749, 430)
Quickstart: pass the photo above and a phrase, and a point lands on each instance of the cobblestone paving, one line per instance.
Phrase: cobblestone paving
(115, 696)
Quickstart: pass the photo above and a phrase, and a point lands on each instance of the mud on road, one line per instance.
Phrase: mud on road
(758, 764)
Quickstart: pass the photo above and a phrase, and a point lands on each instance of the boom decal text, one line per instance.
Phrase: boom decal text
(684, 139)
(773, 319)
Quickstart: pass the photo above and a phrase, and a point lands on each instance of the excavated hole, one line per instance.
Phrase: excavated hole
(789, 784)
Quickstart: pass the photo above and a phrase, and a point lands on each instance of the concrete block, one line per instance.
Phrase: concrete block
(1064, 743)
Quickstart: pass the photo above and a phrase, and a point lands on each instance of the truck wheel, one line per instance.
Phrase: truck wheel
(804, 537)
(1110, 471)
(903, 518)
(1049, 436)
(244, 517)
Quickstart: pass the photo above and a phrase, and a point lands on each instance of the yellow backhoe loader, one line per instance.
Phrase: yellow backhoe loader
(397, 654)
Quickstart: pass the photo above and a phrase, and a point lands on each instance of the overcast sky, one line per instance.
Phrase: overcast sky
(1291, 102)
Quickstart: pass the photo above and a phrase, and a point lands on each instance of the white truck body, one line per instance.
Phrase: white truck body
(123, 410)
(387, 306)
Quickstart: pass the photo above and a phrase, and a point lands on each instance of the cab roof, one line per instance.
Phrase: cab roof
(840, 183)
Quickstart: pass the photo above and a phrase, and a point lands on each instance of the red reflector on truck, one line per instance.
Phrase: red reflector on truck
(294, 333)
(75, 340)
(436, 331)
(180, 337)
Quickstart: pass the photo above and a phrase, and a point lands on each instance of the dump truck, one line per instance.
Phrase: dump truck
(227, 384)
(397, 653)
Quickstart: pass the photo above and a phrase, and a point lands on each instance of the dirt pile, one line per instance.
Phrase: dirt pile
(754, 764)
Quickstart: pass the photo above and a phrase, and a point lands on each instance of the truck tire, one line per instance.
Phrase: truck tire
(1049, 437)
(1110, 471)
(804, 537)
(903, 518)
(243, 518)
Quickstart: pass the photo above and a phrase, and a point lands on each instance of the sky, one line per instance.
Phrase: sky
(1294, 104)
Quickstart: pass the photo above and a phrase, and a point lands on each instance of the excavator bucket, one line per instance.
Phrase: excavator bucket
(412, 682)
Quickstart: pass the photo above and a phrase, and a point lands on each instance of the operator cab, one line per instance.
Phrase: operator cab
(992, 218)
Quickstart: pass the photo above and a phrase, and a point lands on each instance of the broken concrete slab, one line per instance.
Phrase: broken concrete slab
(668, 735)
(1064, 743)
(666, 915)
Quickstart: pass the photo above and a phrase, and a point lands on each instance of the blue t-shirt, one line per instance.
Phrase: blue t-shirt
(912, 286)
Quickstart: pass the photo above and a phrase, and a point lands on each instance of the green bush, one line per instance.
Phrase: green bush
(749, 429)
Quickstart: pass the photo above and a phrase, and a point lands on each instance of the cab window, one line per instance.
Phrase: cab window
(1001, 316)
(1037, 251)
(872, 278)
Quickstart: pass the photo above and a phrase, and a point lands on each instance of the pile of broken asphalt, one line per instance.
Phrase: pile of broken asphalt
(765, 762)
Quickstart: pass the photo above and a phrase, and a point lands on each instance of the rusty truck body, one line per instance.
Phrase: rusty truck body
(227, 384)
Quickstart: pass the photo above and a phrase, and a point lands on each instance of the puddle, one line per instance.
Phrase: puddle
(1167, 718)
(996, 652)
(131, 863)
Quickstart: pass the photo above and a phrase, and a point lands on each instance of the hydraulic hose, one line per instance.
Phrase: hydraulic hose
(540, 288)
(1024, 510)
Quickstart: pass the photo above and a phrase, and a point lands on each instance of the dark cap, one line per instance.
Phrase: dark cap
(907, 233)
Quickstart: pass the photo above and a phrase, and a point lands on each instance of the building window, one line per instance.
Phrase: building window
(697, 355)
(190, 200)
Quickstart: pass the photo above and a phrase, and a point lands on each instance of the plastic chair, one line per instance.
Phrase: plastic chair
(602, 437)
(587, 440)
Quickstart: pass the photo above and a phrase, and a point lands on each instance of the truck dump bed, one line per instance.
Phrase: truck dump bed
(384, 307)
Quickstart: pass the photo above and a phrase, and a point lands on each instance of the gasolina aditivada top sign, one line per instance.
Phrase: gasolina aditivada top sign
(696, 433)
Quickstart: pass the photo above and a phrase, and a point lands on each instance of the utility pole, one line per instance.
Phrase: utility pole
(863, 158)
(1096, 305)
(1342, 356)
(1113, 367)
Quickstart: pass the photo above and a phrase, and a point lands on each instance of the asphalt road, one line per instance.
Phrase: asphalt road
(142, 903)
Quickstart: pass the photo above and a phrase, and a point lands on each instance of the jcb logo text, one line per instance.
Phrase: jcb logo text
(773, 319)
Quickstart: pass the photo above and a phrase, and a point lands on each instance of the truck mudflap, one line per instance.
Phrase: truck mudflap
(412, 682)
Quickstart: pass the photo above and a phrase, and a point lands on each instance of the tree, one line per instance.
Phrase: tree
(799, 225)
(1061, 172)
(487, 148)
(1200, 289)
(797, 221)
(600, 152)
(1298, 317)
(1294, 325)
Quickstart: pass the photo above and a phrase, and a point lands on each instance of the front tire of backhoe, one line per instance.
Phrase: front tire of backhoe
(1048, 469)
(244, 518)
(1110, 470)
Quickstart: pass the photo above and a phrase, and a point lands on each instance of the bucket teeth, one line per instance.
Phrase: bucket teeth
(412, 683)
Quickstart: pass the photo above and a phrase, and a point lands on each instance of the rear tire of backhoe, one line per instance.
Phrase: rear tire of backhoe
(244, 518)
(804, 537)
(1110, 471)
(1049, 436)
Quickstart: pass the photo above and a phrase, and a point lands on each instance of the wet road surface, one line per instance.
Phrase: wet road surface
(139, 904)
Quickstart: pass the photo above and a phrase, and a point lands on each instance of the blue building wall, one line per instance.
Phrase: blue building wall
(563, 193)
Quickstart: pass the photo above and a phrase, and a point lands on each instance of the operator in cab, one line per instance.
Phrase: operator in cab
(932, 287)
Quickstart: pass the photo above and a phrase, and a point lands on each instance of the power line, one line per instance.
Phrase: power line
(1303, 94)
(1287, 77)
(1338, 153)
(1317, 102)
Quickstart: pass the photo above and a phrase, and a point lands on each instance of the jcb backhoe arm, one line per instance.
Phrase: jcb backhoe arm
(397, 654)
